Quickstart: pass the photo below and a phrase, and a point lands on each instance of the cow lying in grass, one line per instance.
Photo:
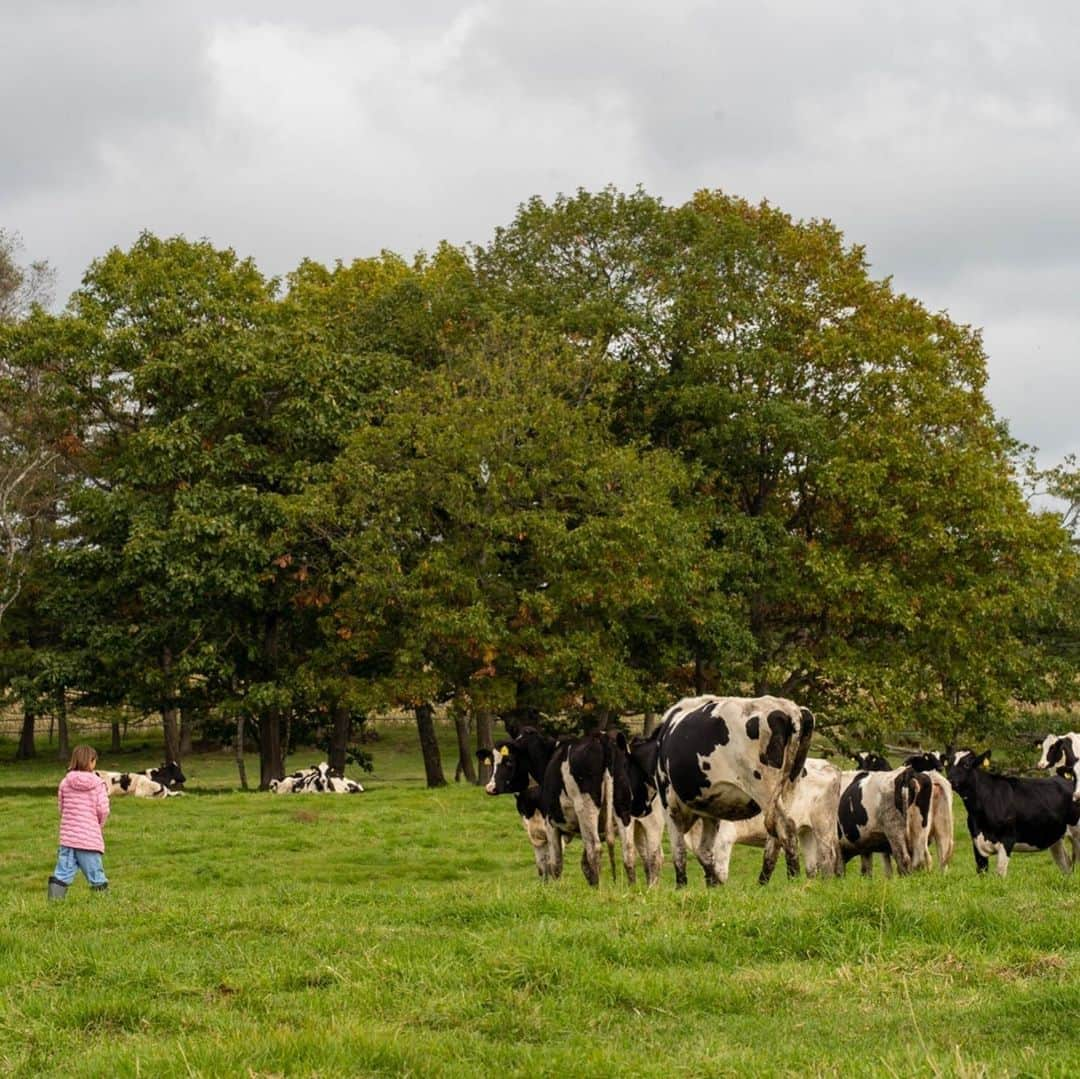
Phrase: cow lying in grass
(138, 784)
(318, 779)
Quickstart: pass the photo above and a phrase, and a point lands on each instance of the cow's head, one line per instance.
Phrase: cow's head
(962, 765)
(1057, 752)
(509, 767)
(871, 762)
(170, 774)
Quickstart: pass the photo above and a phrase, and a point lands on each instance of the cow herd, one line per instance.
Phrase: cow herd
(719, 771)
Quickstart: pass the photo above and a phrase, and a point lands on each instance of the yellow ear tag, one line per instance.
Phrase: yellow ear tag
(986, 763)
(504, 751)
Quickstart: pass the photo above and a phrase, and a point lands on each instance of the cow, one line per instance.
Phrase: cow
(137, 784)
(941, 805)
(575, 794)
(639, 815)
(1062, 753)
(318, 779)
(510, 763)
(1010, 813)
(731, 758)
(885, 813)
(576, 798)
(813, 810)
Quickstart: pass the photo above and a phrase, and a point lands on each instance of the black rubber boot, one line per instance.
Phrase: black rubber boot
(57, 888)
(100, 887)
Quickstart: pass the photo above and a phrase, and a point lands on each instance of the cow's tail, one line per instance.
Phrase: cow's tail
(607, 796)
(795, 753)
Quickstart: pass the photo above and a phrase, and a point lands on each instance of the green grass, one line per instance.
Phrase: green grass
(403, 932)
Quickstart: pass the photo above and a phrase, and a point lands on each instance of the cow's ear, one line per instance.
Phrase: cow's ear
(483, 756)
(983, 759)
(621, 742)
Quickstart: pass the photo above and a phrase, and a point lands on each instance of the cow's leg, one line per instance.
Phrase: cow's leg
(1074, 839)
(588, 816)
(722, 846)
(1003, 851)
(706, 851)
(811, 856)
(677, 837)
(981, 861)
(555, 851)
(1061, 856)
(768, 859)
(866, 865)
(629, 849)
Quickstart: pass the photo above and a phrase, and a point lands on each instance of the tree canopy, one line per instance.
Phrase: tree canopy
(621, 452)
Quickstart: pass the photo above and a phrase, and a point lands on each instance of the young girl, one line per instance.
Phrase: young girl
(84, 805)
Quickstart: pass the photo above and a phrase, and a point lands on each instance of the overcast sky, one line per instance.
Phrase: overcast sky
(943, 136)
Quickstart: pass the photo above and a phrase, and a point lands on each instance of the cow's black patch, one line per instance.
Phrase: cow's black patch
(851, 813)
(692, 739)
(782, 729)
(757, 774)
(753, 727)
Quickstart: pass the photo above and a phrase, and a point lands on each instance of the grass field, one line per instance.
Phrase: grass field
(403, 932)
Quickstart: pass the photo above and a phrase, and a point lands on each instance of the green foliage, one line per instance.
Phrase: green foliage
(621, 452)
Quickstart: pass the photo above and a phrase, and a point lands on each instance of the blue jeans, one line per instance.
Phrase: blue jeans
(69, 861)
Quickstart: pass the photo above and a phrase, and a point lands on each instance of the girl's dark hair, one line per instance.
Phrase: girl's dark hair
(83, 759)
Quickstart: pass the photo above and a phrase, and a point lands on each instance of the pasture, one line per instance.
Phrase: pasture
(403, 932)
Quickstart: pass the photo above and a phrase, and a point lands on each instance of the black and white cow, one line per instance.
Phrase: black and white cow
(731, 758)
(318, 779)
(517, 767)
(813, 810)
(885, 813)
(137, 784)
(575, 795)
(1010, 813)
(576, 798)
(942, 833)
(639, 814)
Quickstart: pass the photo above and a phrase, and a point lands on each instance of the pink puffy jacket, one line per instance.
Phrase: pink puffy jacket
(84, 805)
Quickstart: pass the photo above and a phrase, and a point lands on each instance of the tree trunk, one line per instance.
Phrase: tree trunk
(115, 744)
(271, 759)
(169, 710)
(26, 748)
(339, 738)
(63, 747)
(465, 766)
(240, 752)
(429, 745)
(187, 728)
(650, 723)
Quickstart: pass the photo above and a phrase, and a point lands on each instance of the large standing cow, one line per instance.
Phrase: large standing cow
(731, 758)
